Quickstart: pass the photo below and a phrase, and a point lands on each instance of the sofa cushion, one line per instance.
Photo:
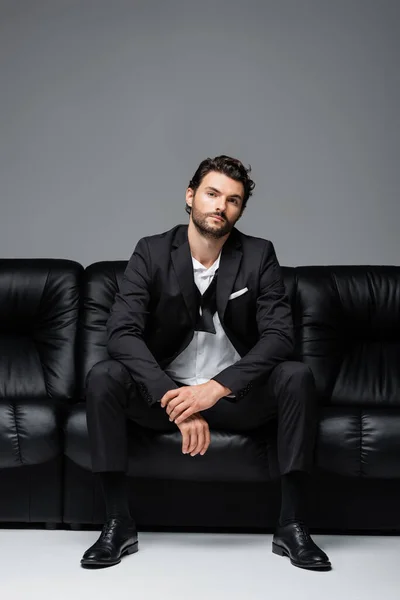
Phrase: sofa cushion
(30, 431)
(350, 443)
(359, 443)
(101, 283)
(39, 305)
(230, 457)
(348, 325)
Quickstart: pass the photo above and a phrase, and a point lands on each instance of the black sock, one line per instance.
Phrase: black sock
(115, 494)
(295, 491)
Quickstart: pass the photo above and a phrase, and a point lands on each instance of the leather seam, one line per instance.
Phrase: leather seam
(38, 351)
(14, 408)
(340, 362)
(372, 304)
(361, 440)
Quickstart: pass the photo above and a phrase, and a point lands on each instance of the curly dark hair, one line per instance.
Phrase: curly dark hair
(231, 167)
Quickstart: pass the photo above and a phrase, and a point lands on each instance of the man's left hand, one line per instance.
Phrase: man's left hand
(187, 400)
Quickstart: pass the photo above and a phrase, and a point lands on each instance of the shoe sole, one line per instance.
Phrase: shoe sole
(276, 549)
(98, 563)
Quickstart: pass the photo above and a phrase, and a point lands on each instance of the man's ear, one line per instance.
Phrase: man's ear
(189, 197)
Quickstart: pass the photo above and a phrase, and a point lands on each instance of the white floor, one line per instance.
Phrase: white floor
(40, 564)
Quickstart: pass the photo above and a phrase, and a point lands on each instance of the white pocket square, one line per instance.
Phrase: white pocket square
(238, 293)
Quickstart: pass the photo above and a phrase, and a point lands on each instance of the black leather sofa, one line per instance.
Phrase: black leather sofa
(53, 315)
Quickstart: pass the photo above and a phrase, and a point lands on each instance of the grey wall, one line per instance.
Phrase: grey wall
(108, 107)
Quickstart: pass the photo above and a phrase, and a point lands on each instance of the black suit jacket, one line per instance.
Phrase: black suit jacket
(153, 316)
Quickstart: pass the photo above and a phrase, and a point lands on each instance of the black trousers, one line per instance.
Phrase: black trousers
(289, 394)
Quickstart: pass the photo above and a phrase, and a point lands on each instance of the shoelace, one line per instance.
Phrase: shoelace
(108, 531)
(303, 530)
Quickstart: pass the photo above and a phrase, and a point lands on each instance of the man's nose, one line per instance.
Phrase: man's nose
(220, 204)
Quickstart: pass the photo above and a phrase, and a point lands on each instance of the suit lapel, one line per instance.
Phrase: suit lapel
(183, 266)
(231, 257)
(181, 257)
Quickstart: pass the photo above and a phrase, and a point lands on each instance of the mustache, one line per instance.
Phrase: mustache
(220, 216)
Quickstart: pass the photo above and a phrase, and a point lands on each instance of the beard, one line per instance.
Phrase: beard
(208, 229)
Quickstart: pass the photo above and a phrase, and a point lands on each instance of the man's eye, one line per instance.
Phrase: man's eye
(211, 193)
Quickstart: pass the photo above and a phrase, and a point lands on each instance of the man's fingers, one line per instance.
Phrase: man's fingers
(185, 440)
(169, 395)
(195, 437)
(207, 440)
(173, 404)
(184, 415)
(178, 410)
(200, 441)
(193, 440)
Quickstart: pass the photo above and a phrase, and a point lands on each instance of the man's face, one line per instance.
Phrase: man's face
(216, 195)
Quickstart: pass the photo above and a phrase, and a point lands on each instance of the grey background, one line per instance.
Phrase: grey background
(108, 107)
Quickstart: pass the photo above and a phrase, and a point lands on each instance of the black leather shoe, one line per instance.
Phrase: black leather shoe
(118, 537)
(293, 540)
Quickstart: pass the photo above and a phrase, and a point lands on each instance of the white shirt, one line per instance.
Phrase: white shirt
(207, 353)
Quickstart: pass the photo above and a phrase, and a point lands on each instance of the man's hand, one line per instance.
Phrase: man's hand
(195, 435)
(188, 400)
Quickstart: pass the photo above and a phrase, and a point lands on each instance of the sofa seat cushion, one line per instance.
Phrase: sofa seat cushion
(359, 442)
(230, 456)
(30, 431)
(351, 443)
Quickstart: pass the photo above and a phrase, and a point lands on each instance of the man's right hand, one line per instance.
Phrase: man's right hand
(195, 435)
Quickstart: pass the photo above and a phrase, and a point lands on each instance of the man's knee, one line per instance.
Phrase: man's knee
(293, 372)
(103, 371)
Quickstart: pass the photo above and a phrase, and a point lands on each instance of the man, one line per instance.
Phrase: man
(200, 337)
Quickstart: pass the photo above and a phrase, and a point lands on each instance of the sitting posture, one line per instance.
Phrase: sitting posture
(200, 337)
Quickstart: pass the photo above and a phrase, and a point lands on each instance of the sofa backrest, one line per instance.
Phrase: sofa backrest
(347, 327)
(39, 309)
(348, 330)
(101, 283)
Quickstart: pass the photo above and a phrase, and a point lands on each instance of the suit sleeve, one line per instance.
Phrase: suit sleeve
(126, 324)
(275, 327)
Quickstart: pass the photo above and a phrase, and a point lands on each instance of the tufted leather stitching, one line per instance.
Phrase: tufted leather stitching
(37, 349)
(340, 362)
(361, 442)
(372, 305)
(14, 410)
